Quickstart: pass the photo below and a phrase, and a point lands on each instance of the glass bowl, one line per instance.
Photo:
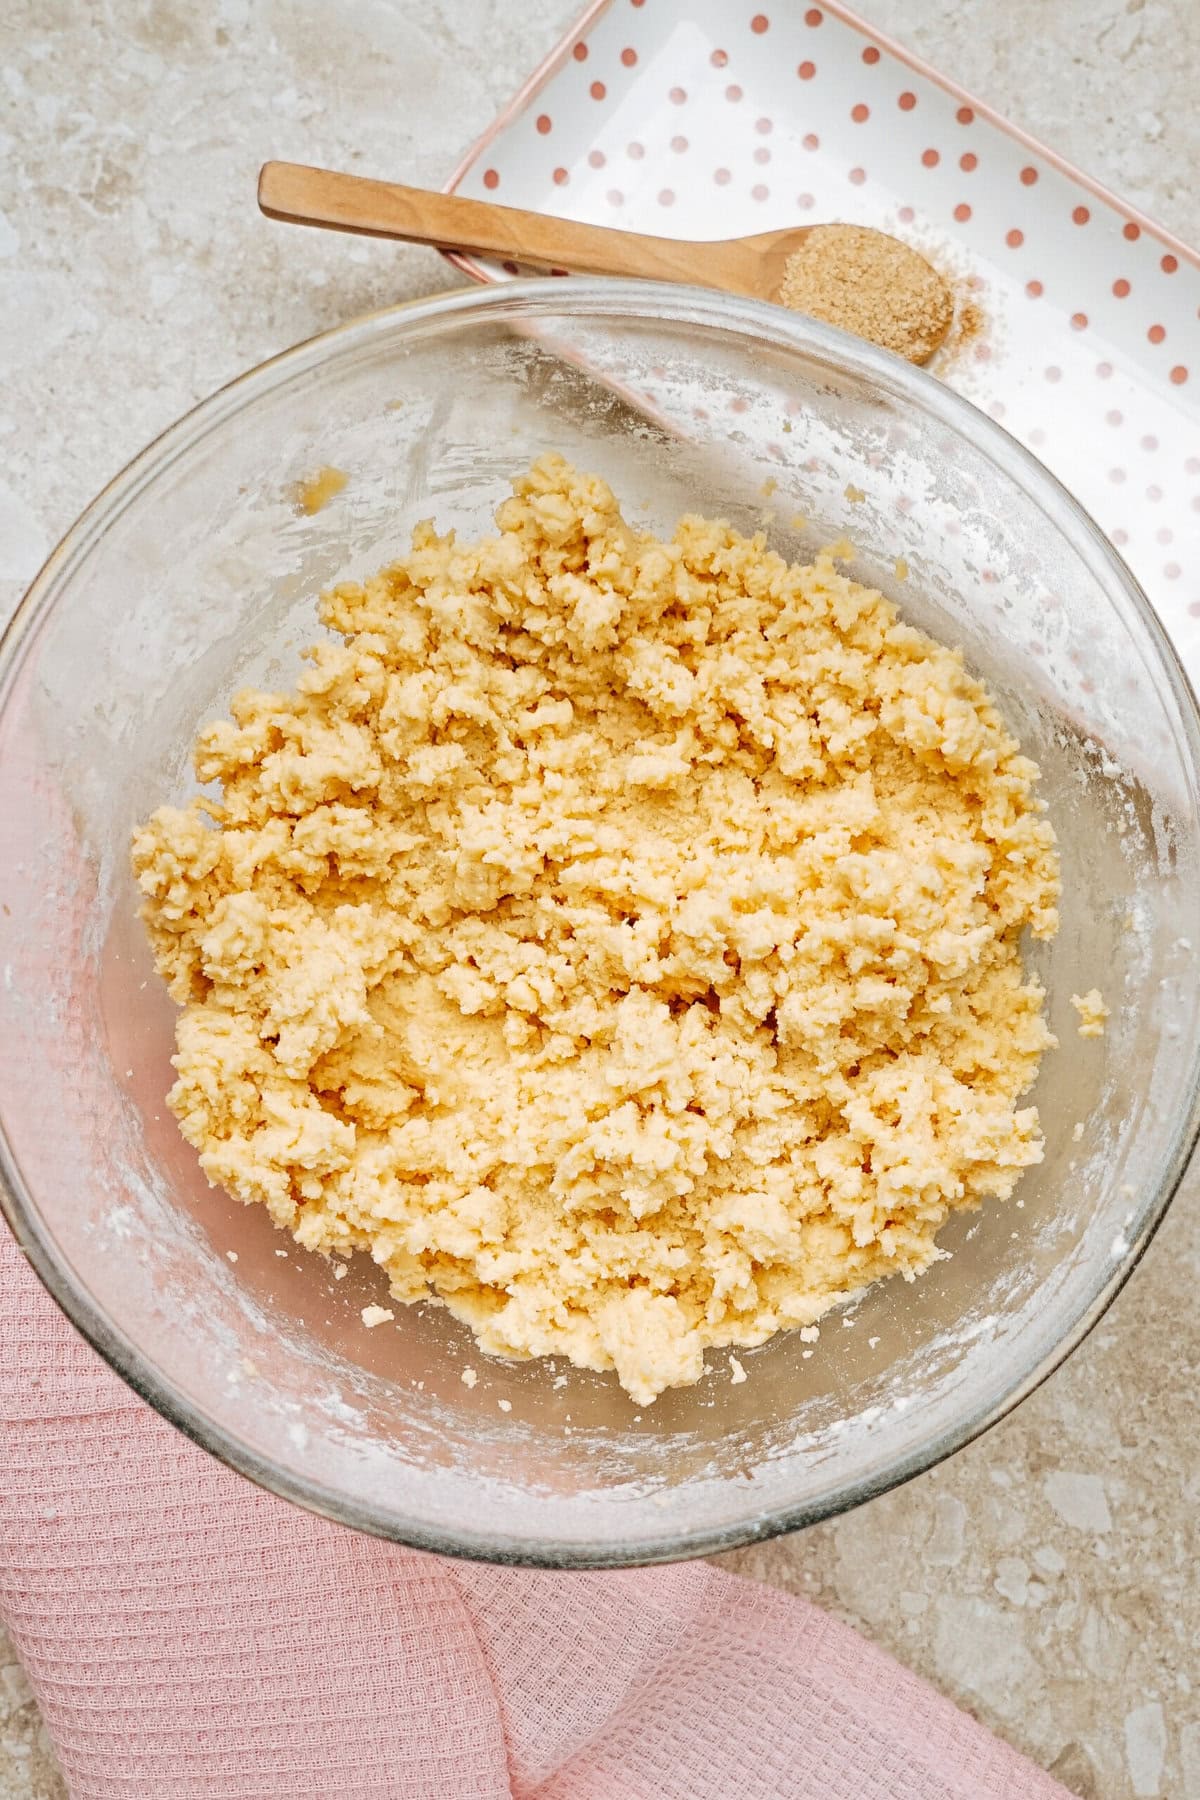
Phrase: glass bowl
(195, 573)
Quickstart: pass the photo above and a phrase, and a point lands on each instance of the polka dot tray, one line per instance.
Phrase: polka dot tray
(709, 119)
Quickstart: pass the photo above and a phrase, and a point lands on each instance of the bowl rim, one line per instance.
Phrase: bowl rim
(538, 299)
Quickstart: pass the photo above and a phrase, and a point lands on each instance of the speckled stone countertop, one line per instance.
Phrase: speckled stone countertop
(1045, 1577)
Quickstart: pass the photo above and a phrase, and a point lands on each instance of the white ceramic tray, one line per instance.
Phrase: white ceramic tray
(707, 119)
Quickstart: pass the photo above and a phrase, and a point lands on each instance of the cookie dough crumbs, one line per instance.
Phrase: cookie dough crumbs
(810, 1333)
(737, 1373)
(872, 285)
(560, 1381)
(504, 1405)
(376, 1315)
(872, 1342)
(468, 1378)
(854, 495)
(1077, 1133)
(1092, 1013)
(617, 939)
(339, 1271)
(318, 490)
(231, 1255)
(281, 1253)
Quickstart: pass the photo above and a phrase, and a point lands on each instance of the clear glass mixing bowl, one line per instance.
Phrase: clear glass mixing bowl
(194, 574)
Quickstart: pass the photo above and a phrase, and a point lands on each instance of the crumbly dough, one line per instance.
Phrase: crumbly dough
(617, 939)
(1092, 1013)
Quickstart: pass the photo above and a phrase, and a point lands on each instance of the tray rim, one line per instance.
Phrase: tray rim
(595, 9)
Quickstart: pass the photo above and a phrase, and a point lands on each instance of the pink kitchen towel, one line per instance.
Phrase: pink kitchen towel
(191, 1638)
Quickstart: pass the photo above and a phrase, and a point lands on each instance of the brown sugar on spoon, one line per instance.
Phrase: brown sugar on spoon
(872, 285)
(848, 275)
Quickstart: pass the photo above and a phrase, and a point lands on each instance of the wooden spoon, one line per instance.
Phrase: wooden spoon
(849, 275)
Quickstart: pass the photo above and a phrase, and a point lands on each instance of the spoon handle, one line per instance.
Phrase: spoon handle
(305, 196)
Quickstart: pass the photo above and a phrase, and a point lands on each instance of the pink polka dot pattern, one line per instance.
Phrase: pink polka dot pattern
(1090, 313)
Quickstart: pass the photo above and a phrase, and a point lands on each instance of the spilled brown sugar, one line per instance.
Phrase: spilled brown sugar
(872, 285)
